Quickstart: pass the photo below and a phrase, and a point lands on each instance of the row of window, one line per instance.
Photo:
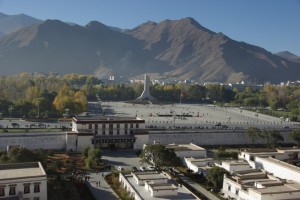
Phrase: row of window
(12, 189)
(96, 141)
(111, 126)
(112, 132)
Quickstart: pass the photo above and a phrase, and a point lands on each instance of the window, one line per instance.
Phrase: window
(136, 125)
(111, 126)
(103, 126)
(2, 191)
(118, 132)
(26, 189)
(229, 187)
(131, 132)
(36, 198)
(131, 125)
(118, 125)
(110, 132)
(36, 188)
(237, 191)
(12, 190)
(103, 132)
(90, 126)
(96, 126)
(126, 126)
(126, 132)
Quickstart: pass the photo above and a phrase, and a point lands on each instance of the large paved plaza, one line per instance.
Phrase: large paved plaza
(195, 116)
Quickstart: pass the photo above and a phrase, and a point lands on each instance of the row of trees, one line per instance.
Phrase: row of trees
(272, 138)
(34, 95)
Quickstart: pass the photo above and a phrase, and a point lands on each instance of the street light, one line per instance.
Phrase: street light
(10, 109)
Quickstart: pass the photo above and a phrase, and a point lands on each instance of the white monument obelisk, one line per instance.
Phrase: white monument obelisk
(146, 96)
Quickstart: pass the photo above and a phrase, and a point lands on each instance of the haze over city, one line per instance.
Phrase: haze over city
(268, 24)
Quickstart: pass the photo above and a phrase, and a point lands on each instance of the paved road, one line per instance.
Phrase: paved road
(103, 191)
(199, 188)
(125, 159)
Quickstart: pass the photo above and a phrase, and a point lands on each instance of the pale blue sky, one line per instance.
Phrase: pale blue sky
(271, 24)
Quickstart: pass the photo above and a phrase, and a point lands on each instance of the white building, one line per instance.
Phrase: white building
(289, 155)
(234, 165)
(257, 185)
(26, 181)
(153, 186)
(279, 168)
(187, 150)
(271, 179)
(199, 165)
(103, 132)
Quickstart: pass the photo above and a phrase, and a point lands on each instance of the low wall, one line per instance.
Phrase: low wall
(216, 137)
(53, 140)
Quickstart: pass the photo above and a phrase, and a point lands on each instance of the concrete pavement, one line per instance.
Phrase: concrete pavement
(198, 187)
(103, 191)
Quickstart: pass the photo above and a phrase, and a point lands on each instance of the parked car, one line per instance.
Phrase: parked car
(120, 169)
(15, 125)
(134, 169)
(151, 168)
(143, 168)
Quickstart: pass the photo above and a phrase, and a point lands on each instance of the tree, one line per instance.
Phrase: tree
(295, 135)
(159, 156)
(95, 154)
(253, 133)
(225, 155)
(215, 177)
(271, 137)
(21, 154)
(92, 156)
(85, 151)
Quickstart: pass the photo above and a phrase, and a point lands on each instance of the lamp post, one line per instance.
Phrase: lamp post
(256, 114)
(10, 109)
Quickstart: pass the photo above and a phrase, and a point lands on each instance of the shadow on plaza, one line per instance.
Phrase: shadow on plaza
(101, 192)
(120, 153)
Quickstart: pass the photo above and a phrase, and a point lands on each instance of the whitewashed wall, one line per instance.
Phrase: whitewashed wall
(55, 140)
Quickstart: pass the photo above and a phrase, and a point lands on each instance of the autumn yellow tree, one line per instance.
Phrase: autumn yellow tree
(66, 98)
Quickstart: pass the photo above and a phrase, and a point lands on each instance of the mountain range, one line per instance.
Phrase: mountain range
(172, 49)
(11, 23)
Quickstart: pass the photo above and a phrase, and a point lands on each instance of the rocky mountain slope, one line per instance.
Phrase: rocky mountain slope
(178, 49)
(11, 23)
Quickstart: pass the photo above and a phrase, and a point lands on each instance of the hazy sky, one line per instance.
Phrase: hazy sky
(271, 24)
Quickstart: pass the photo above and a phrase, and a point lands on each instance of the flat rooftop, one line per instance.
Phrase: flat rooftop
(286, 188)
(104, 118)
(165, 186)
(191, 159)
(21, 170)
(182, 192)
(282, 164)
(185, 147)
(151, 175)
(236, 162)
